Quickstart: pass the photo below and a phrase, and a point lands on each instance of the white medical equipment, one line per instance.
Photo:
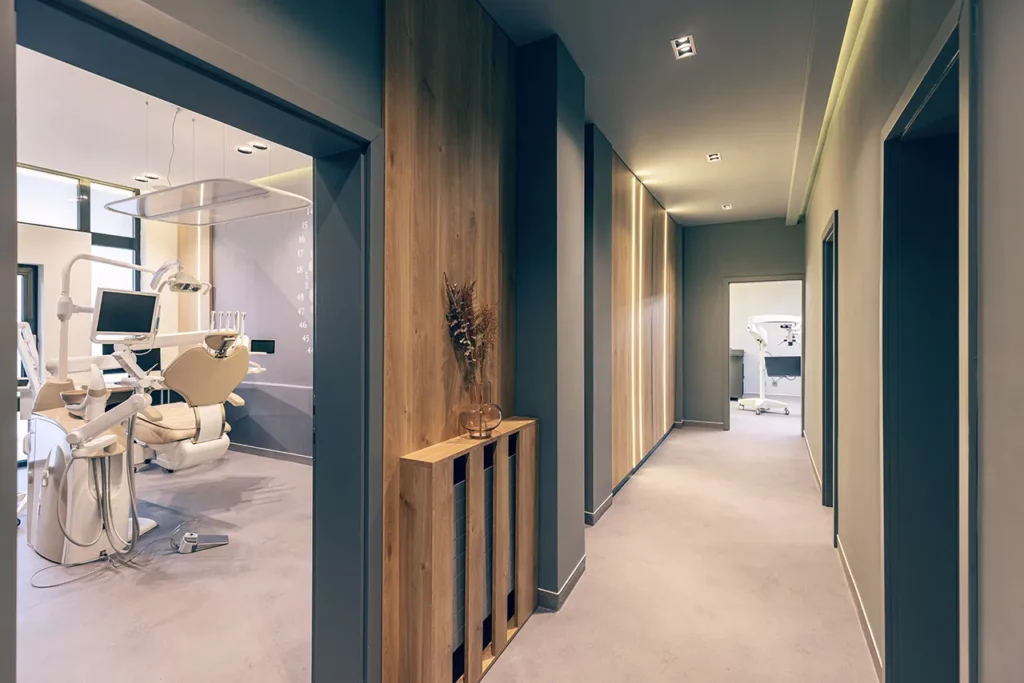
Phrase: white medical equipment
(81, 455)
(791, 326)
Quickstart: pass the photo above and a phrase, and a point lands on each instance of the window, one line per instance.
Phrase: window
(46, 198)
(59, 200)
(106, 222)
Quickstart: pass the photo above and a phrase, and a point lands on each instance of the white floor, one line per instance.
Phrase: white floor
(714, 564)
(239, 613)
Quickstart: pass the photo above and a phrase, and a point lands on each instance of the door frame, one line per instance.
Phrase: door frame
(955, 36)
(143, 49)
(830, 371)
(785, 277)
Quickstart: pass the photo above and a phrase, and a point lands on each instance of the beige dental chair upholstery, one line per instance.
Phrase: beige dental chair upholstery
(181, 435)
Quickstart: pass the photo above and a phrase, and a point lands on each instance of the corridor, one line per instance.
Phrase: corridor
(713, 565)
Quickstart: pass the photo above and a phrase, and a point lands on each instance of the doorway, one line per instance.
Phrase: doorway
(920, 381)
(765, 388)
(346, 227)
(830, 371)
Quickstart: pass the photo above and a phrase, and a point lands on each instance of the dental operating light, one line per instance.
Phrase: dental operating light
(209, 202)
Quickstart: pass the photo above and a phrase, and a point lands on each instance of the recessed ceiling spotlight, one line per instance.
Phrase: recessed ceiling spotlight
(684, 47)
(141, 179)
(261, 146)
(714, 156)
(152, 176)
(726, 207)
(244, 149)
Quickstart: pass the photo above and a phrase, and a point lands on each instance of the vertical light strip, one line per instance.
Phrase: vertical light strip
(632, 326)
(664, 329)
(640, 326)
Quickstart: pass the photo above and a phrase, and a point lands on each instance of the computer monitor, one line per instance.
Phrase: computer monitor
(782, 366)
(122, 314)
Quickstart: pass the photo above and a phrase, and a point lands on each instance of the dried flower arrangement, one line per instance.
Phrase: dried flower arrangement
(473, 331)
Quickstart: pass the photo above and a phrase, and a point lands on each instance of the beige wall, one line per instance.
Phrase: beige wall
(893, 38)
(1000, 374)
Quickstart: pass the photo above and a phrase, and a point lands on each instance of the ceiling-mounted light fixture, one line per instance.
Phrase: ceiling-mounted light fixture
(244, 149)
(152, 176)
(684, 47)
(714, 156)
(726, 207)
(209, 202)
(141, 179)
(261, 146)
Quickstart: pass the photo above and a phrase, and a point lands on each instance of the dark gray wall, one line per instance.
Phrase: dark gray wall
(264, 266)
(598, 329)
(330, 49)
(713, 254)
(141, 46)
(8, 426)
(550, 295)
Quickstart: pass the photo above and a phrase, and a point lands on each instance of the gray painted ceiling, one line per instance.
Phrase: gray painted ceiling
(755, 92)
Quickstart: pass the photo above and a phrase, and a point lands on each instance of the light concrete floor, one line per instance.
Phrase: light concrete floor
(238, 613)
(714, 565)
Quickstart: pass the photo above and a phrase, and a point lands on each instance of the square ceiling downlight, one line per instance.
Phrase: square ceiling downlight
(684, 47)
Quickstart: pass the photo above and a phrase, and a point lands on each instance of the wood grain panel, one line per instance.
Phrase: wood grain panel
(499, 593)
(644, 277)
(425, 655)
(672, 321)
(474, 564)
(623, 215)
(646, 343)
(449, 121)
(658, 327)
(526, 524)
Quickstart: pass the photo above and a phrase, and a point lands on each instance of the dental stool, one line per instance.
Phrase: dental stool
(177, 436)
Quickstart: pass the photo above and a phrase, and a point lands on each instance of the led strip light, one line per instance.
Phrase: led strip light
(632, 323)
(664, 328)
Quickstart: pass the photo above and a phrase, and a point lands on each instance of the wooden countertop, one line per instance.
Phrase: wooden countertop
(460, 445)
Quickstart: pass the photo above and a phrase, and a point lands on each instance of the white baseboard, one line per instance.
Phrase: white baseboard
(814, 463)
(865, 625)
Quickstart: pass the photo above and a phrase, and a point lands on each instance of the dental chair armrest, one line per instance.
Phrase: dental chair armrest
(236, 400)
(152, 414)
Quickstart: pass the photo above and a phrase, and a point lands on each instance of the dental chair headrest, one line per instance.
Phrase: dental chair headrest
(220, 342)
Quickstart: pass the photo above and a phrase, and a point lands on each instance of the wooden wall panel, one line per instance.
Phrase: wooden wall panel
(648, 304)
(623, 397)
(449, 122)
(644, 277)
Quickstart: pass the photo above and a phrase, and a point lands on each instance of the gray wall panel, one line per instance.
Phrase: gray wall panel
(8, 426)
(330, 48)
(550, 294)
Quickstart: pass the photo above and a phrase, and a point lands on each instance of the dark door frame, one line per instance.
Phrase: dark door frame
(348, 206)
(785, 277)
(830, 371)
(910, 645)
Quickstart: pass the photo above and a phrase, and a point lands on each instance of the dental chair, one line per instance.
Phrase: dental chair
(178, 436)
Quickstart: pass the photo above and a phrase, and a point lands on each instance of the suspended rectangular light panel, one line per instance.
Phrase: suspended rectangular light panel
(209, 202)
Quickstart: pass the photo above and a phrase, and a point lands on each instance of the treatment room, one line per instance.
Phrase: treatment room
(165, 393)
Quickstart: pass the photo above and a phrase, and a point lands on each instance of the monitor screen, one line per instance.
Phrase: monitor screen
(782, 366)
(266, 346)
(120, 312)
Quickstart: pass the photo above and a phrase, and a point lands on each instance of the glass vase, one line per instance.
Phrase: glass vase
(481, 417)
